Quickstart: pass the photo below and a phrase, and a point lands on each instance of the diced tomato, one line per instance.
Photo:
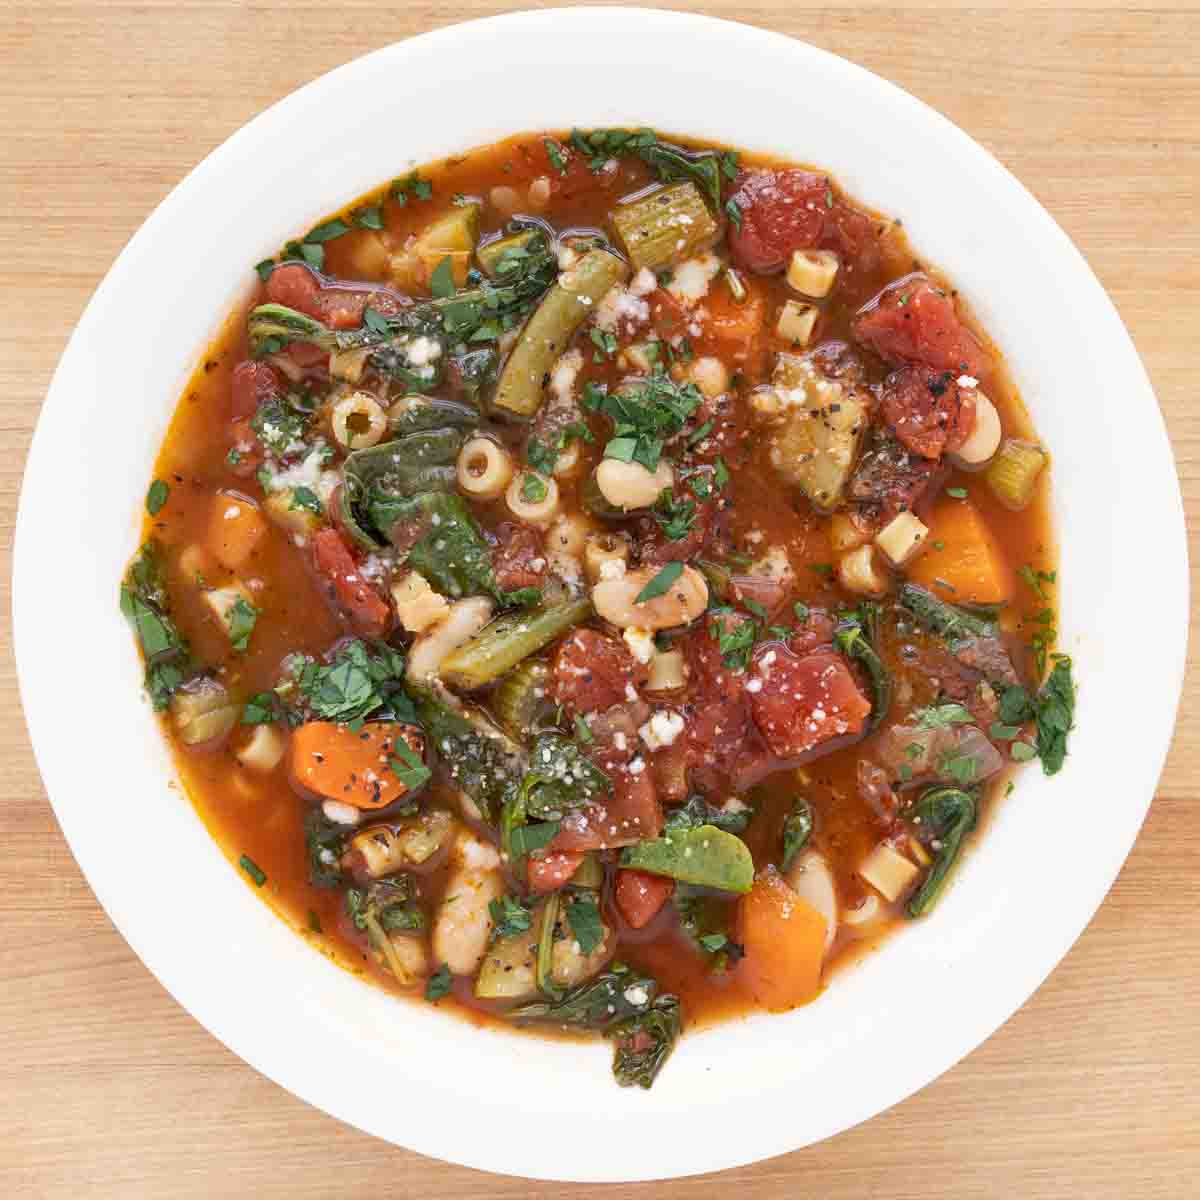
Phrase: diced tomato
(889, 480)
(639, 896)
(552, 871)
(351, 594)
(519, 549)
(245, 450)
(788, 210)
(927, 409)
(657, 548)
(802, 703)
(340, 308)
(294, 286)
(306, 354)
(913, 320)
(703, 651)
(631, 814)
(251, 383)
(668, 316)
(592, 671)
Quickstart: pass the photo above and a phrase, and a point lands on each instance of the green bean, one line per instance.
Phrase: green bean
(498, 647)
(955, 625)
(550, 329)
(664, 228)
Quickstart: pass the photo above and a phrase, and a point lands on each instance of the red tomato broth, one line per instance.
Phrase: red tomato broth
(258, 815)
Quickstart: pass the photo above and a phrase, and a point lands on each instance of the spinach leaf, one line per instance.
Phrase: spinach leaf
(614, 995)
(509, 917)
(797, 829)
(856, 636)
(583, 915)
(941, 818)
(144, 604)
(325, 844)
(643, 1043)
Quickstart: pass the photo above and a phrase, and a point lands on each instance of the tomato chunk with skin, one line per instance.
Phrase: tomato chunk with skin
(362, 606)
(630, 814)
(927, 409)
(640, 896)
(297, 287)
(800, 703)
(552, 871)
(250, 384)
(913, 320)
(520, 551)
(592, 671)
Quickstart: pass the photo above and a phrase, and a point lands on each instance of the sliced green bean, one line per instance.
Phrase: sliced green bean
(550, 329)
(509, 639)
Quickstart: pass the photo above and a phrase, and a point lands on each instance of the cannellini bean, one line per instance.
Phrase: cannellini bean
(601, 548)
(628, 485)
(462, 924)
(811, 879)
(532, 511)
(985, 437)
(568, 535)
(505, 200)
(539, 192)
(263, 750)
(413, 958)
(358, 421)
(464, 620)
(682, 603)
(485, 468)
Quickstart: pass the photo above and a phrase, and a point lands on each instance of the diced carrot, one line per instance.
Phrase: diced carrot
(235, 530)
(962, 561)
(784, 940)
(552, 871)
(639, 896)
(353, 766)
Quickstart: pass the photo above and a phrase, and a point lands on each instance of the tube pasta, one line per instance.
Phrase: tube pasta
(485, 469)
(358, 421)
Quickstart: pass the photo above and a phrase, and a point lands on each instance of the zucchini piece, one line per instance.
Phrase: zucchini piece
(706, 856)
(956, 626)
(522, 703)
(502, 644)
(509, 968)
(1014, 472)
(666, 227)
(565, 307)
(453, 235)
(504, 256)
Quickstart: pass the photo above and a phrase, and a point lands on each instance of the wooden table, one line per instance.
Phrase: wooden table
(107, 1088)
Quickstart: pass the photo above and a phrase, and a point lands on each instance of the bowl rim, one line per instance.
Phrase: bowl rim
(318, 1081)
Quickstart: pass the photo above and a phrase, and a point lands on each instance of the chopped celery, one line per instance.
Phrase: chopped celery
(1014, 472)
(665, 227)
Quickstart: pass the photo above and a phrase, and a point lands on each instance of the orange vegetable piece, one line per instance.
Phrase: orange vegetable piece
(353, 766)
(784, 939)
(969, 561)
(731, 326)
(236, 529)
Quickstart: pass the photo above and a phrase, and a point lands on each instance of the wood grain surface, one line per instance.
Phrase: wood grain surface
(107, 1088)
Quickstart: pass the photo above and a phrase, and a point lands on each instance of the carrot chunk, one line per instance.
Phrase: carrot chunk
(784, 939)
(353, 766)
(962, 562)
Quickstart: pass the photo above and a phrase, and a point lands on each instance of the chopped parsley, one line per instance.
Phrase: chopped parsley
(735, 643)
(582, 730)
(533, 488)
(368, 217)
(1035, 579)
(583, 915)
(555, 155)
(957, 492)
(411, 185)
(941, 716)
(241, 619)
(510, 916)
(438, 984)
(156, 497)
(675, 517)
(261, 709)
(406, 766)
(354, 684)
(253, 870)
(645, 413)
(306, 498)
(733, 210)
(661, 583)
(525, 839)
(962, 768)
(441, 282)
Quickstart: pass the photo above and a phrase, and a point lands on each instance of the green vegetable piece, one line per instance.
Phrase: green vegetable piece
(568, 303)
(509, 968)
(856, 636)
(479, 759)
(944, 815)
(706, 856)
(636, 1060)
(666, 227)
(145, 605)
(439, 984)
(1055, 716)
(509, 916)
(583, 915)
(521, 702)
(561, 777)
(325, 843)
(697, 811)
(955, 625)
(253, 870)
(661, 583)
(419, 414)
(443, 541)
(503, 257)
(614, 995)
(589, 874)
(545, 951)
(156, 497)
(503, 643)
(797, 829)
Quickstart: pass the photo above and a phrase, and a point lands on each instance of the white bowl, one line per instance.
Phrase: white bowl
(408, 1072)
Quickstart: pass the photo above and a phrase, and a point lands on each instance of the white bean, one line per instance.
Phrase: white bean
(985, 437)
(464, 620)
(462, 924)
(682, 603)
(628, 485)
(484, 468)
(811, 879)
(539, 192)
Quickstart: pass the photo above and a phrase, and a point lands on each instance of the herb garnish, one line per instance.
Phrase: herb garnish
(661, 583)
(156, 497)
